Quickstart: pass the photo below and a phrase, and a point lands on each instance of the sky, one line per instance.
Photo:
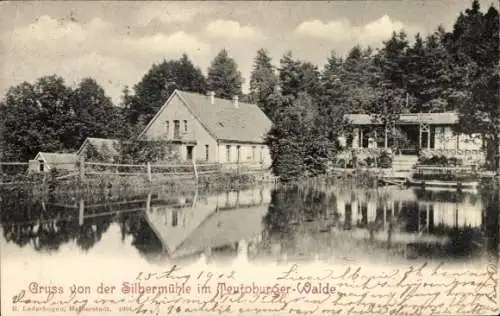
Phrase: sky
(117, 42)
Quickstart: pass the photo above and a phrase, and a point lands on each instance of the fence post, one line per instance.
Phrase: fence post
(82, 169)
(148, 166)
(148, 203)
(195, 171)
(81, 209)
(238, 170)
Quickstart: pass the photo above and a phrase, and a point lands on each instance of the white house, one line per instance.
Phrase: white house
(423, 131)
(209, 129)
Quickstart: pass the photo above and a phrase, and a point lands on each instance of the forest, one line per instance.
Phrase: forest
(448, 70)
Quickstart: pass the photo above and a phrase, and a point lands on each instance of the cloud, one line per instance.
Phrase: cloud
(342, 30)
(49, 36)
(167, 44)
(381, 29)
(338, 29)
(49, 31)
(232, 30)
(168, 13)
(111, 72)
(96, 48)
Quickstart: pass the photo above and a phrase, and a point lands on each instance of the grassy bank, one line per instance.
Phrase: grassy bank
(102, 186)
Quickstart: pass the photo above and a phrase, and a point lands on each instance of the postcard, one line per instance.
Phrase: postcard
(249, 158)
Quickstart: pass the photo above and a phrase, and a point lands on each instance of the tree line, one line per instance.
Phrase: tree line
(454, 70)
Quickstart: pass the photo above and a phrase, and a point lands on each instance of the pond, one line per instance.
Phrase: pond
(303, 222)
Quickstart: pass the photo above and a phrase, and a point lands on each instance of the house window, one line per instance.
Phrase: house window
(253, 152)
(185, 126)
(261, 153)
(228, 153)
(206, 153)
(238, 147)
(42, 166)
(177, 128)
(167, 128)
(175, 218)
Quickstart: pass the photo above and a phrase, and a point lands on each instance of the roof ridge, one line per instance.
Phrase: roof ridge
(195, 115)
(246, 122)
(218, 98)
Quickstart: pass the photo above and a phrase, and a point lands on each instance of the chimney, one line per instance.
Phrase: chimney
(235, 101)
(212, 97)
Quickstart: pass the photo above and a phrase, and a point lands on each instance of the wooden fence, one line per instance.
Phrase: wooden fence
(83, 169)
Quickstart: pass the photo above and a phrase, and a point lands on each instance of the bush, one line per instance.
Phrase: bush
(140, 152)
(385, 159)
(363, 157)
(438, 160)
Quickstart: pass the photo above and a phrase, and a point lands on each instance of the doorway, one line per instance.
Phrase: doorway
(189, 152)
(407, 139)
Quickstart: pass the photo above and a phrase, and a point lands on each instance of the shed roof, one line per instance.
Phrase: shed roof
(225, 121)
(445, 118)
(99, 144)
(58, 160)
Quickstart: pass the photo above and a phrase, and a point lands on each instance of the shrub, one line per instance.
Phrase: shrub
(385, 159)
(140, 152)
(439, 160)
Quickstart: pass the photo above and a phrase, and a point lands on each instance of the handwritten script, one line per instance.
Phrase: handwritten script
(293, 290)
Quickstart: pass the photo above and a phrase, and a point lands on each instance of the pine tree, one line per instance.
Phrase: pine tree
(289, 75)
(360, 77)
(392, 60)
(474, 43)
(224, 78)
(263, 81)
(333, 100)
(297, 76)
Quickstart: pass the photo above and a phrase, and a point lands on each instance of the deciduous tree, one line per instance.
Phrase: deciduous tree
(158, 84)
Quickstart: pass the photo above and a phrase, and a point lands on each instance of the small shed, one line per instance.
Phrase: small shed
(44, 162)
(99, 149)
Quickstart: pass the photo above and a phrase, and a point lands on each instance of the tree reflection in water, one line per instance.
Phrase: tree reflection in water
(143, 237)
(434, 224)
(302, 220)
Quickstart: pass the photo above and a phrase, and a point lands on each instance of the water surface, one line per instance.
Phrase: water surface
(283, 223)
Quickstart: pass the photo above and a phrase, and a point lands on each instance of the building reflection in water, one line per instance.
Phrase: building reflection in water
(286, 223)
(210, 223)
(408, 222)
(160, 225)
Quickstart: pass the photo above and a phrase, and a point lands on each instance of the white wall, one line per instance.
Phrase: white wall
(176, 110)
(446, 139)
(245, 153)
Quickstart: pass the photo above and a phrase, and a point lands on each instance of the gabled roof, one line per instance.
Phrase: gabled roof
(224, 121)
(58, 160)
(224, 228)
(99, 143)
(445, 118)
(171, 237)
